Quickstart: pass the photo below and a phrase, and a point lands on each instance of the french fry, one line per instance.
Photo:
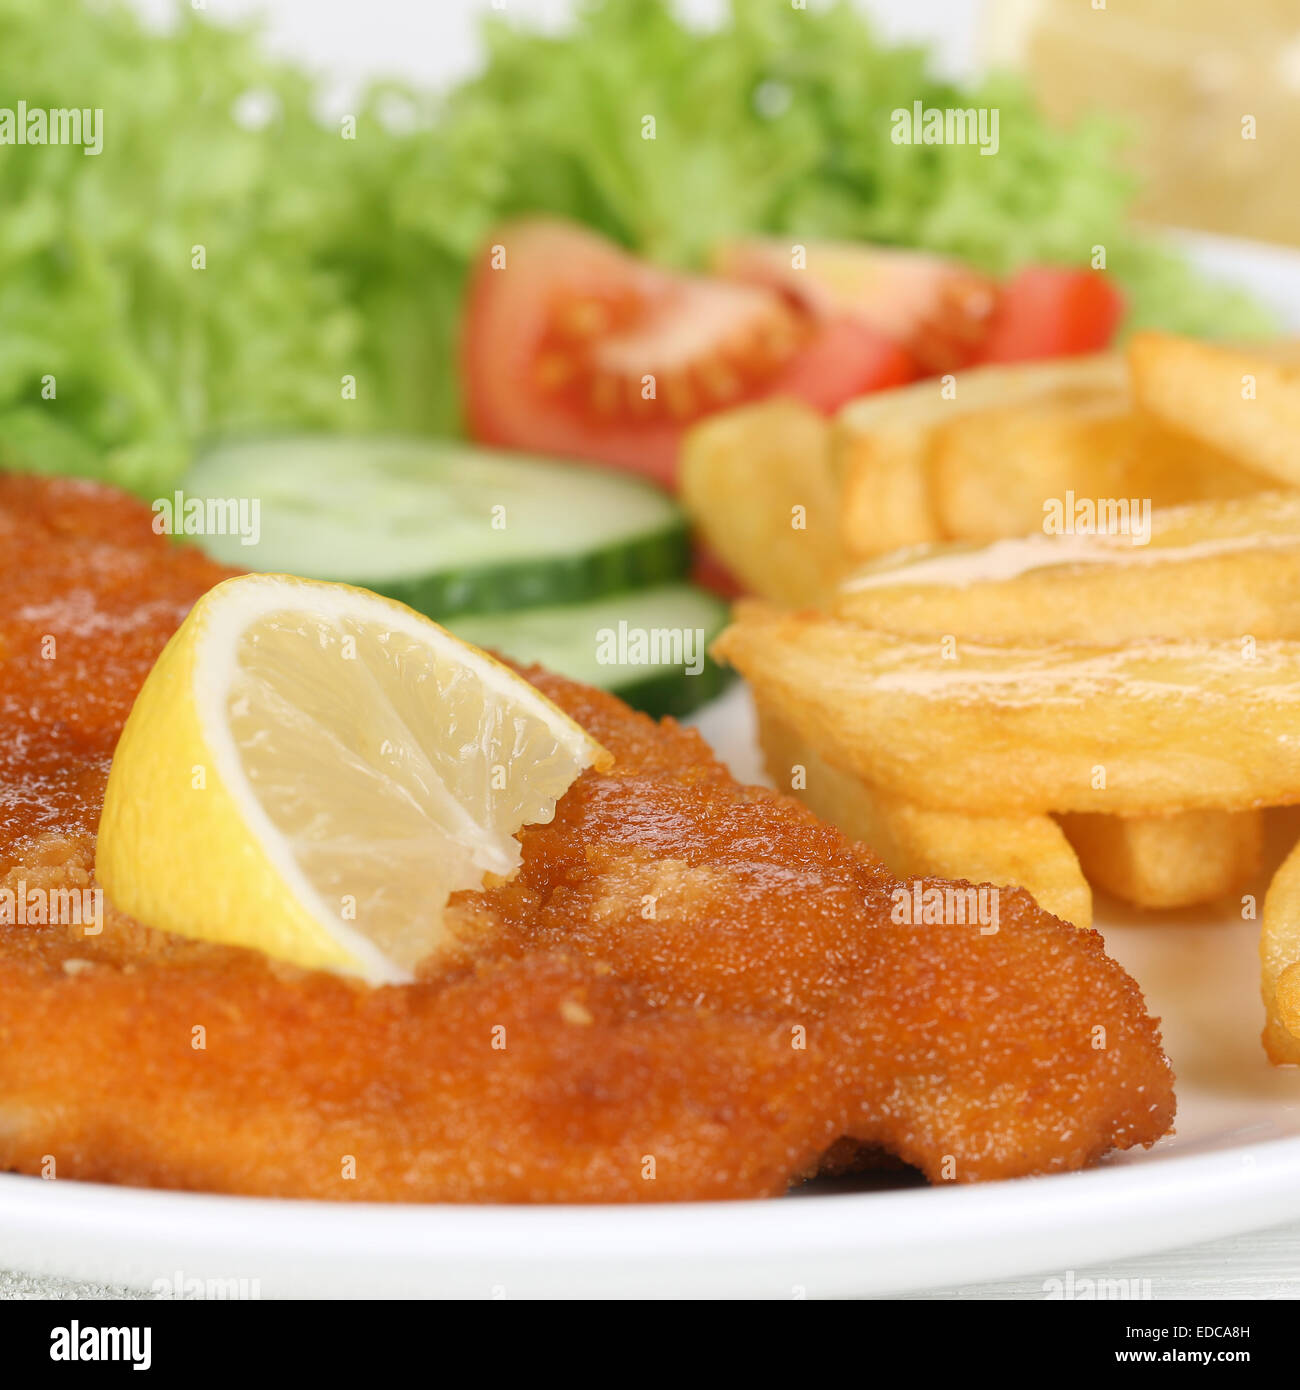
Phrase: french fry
(1279, 955)
(744, 476)
(1154, 862)
(884, 443)
(884, 486)
(1178, 860)
(1238, 400)
(1220, 569)
(1030, 852)
(993, 473)
(1141, 728)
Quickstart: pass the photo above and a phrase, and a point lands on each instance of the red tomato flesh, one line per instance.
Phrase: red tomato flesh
(573, 347)
(1052, 313)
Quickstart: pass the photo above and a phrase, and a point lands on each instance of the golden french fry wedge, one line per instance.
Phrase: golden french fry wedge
(1220, 569)
(992, 470)
(1178, 860)
(1139, 728)
(885, 487)
(884, 443)
(1279, 954)
(1238, 400)
(757, 484)
(996, 472)
(1029, 852)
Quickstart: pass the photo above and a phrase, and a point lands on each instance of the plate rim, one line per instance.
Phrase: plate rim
(864, 1243)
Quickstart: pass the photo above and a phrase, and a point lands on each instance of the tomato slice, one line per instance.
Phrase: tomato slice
(844, 359)
(936, 310)
(1043, 312)
(573, 347)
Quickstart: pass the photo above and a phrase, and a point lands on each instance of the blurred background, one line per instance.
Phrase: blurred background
(1182, 75)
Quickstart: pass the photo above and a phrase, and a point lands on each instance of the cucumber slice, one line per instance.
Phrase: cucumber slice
(653, 636)
(442, 526)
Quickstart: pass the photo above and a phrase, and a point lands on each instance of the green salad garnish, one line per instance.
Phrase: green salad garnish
(329, 257)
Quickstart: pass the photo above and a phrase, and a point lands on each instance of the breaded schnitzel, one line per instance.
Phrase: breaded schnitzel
(690, 989)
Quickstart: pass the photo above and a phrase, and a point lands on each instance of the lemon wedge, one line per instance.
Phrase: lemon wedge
(312, 770)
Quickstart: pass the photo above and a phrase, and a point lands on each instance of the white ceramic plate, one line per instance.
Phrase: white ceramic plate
(1232, 1166)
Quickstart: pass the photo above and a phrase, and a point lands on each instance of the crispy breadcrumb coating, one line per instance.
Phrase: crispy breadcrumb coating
(690, 989)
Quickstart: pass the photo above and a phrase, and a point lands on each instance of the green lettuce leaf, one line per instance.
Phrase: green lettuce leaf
(329, 258)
